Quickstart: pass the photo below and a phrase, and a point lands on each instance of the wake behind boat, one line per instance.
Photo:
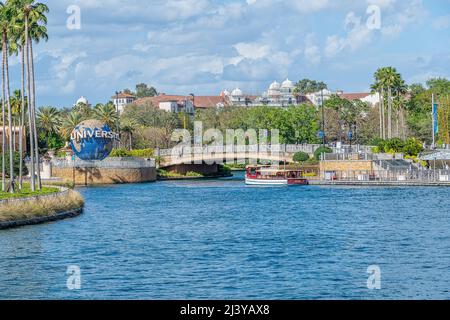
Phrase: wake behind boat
(266, 175)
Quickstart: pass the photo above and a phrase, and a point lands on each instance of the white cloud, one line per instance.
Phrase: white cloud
(383, 4)
(308, 6)
(357, 36)
(442, 22)
(312, 51)
(252, 50)
(409, 13)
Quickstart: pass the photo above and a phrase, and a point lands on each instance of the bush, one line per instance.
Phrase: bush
(301, 157)
(121, 153)
(193, 174)
(16, 164)
(412, 147)
(143, 153)
(320, 150)
(224, 169)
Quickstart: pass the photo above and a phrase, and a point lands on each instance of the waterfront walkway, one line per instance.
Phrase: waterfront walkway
(411, 183)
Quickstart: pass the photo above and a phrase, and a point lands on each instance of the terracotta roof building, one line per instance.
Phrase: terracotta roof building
(122, 99)
(177, 103)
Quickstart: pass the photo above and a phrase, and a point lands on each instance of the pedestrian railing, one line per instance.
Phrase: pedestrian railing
(117, 163)
(281, 148)
(419, 176)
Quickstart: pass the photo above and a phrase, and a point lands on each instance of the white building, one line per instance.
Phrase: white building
(122, 99)
(82, 100)
(277, 95)
(316, 98)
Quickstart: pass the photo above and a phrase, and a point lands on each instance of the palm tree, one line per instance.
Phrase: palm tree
(388, 79)
(400, 89)
(48, 119)
(378, 87)
(32, 14)
(69, 123)
(17, 44)
(19, 108)
(6, 14)
(127, 126)
(106, 113)
(15, 107)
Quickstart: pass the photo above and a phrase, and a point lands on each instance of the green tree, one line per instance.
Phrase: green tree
(48, 119)
(6, 17)
(387, 79)
(306, 86)
(69, 122)
(32, 15)
(320, 150)
(107, 114)
(301, 157)
(143, 90)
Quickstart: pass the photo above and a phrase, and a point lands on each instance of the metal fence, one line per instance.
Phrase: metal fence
(360, 156)
(119, 163)
(415, 176)
(282, 148)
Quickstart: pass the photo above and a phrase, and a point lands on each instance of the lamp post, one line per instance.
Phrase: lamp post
(118, 114)
(193, 99)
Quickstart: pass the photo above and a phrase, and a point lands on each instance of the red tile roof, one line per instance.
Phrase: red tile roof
(354, 96)
(122, 95)
(201, 102)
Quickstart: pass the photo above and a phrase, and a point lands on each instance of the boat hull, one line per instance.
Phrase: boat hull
(266, 182)
(276, 182)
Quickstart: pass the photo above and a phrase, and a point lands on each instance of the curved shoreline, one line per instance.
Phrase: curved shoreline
(39, 220)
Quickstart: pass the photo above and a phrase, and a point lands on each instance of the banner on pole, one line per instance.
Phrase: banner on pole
(435, 118)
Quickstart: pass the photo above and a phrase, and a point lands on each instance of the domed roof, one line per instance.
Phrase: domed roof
(287, 84)
(82, 100)
(236, 92)
(274, 86)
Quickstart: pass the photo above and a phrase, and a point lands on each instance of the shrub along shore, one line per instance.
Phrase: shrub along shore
(37, 207)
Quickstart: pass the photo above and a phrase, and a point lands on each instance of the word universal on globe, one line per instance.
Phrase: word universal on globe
(92, 140)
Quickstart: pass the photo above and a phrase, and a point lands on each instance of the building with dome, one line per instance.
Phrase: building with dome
(277, 95)
(82, 100)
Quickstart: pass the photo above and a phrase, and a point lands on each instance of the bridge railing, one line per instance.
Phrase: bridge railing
(283, 148)
(128, 163)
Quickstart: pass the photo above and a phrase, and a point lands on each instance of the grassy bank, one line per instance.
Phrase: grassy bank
(41, 207)
(26, 192)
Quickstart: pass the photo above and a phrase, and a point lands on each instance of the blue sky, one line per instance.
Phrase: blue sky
(205, 46)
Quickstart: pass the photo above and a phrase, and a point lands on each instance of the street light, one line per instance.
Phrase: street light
(193, 99)
(118, 115)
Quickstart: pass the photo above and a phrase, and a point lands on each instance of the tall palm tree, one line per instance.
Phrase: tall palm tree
(15, 107)
(32, 14)
(106, 113)
(387, 78)
(400, 89)
(377, 87)
(6, 14)
(19, 109)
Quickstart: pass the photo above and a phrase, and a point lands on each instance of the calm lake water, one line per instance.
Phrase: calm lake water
(220, 239)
